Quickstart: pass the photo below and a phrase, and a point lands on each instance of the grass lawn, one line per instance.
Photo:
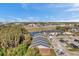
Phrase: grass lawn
(73, 49)
(53, 52)
(34, 29)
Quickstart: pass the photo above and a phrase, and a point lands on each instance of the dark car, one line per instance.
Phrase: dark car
(62, 41)
(74, 46)
(76, 40)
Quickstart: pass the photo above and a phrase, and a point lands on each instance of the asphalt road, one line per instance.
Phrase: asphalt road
(57, 46)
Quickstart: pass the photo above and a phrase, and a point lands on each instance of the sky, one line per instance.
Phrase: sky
(39, 12)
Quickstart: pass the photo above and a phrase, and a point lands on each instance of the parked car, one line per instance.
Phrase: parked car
(73, 45)
(76, 40)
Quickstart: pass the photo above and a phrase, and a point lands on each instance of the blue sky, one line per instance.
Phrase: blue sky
(39, 12)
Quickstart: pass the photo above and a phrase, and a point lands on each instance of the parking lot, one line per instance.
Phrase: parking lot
(64, 44)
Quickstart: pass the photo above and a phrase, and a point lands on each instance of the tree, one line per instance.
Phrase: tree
(20, 50)
(33, 52)
(14, 40)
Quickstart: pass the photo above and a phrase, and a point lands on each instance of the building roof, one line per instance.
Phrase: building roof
(40, 41)
(47, 31)
(73, 27)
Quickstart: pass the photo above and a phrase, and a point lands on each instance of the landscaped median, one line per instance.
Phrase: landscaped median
(74, 49)
(53, 52)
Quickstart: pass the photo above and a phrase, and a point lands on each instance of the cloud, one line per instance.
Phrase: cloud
(54, 19)
(10, 20)
(70, 20)
(42, 6)
(74, 7)
(25, 5)
(27, 19)
(36, 19)
(66, 16)
(63, 20)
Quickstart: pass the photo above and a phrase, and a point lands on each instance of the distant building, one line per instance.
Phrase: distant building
(32, 25)
(73, 28)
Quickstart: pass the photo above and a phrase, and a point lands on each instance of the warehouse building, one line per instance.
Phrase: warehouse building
(42, 44)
